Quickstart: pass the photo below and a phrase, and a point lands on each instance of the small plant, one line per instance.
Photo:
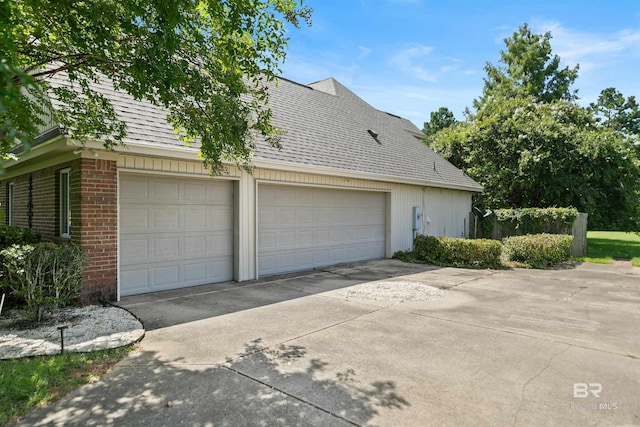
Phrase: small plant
(44, 274)
(537, 250)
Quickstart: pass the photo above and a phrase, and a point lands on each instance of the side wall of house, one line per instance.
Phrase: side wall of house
(445, 211)
(93, 203)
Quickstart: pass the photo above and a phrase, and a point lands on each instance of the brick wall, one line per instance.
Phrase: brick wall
(97, 227)
(44, 199)
(93, 216)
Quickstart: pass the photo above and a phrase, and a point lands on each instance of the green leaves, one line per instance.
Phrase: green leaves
(206, 61)
(528, 69)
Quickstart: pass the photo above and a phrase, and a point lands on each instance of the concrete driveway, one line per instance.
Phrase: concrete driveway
(518, 348)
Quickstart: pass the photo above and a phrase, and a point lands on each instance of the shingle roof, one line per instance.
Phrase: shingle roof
(325, 126)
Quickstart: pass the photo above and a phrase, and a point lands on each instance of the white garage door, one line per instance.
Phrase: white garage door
(174, 232)
(300, 228)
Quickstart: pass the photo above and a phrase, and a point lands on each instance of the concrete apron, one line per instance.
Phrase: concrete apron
(523, 347)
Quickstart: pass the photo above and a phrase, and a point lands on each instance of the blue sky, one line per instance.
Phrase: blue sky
(410, 57)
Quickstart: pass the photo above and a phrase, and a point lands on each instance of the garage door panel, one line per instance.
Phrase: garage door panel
(180, 235)
(165, 247)
(136, 188)
(193, 219)
(134, 219)
(166, 190)
(219, 219)
(166, 276)
(165, 219)
(302, 227)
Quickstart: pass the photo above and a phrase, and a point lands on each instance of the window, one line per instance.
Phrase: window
(10, 204)
(65, 203)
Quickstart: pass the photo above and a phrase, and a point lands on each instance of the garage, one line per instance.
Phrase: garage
(301, 228)
(174, 232)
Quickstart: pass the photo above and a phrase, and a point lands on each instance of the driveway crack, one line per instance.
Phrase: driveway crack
(292, 396)
(540, 372)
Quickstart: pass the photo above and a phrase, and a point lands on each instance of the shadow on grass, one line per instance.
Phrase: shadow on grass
(279, 386)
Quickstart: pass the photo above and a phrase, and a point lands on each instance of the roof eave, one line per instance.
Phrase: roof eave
(322, 170)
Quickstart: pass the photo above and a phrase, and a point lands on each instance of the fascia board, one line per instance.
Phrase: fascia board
(293, 167)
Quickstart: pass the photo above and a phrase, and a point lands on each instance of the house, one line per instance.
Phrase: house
(343, 188)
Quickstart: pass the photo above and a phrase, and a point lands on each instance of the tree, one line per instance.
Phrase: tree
(441, 119)
(617, 112)
(528, 153)
(205, 61)
(531, 145)
(528, 69)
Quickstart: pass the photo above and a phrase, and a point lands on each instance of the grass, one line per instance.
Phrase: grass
(603, 247)
(29, 383)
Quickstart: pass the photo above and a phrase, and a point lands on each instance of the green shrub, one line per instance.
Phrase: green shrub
(44, 274)
(538, 250)
(478, 253)
(405, 256)
(536, 220)
(13, 235)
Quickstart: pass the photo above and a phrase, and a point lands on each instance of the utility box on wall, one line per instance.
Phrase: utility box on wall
(417, 218)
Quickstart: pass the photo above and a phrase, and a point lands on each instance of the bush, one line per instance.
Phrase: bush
(536, 220)
(538, 250)
(13, 235)
(478, 253)
(44, 274)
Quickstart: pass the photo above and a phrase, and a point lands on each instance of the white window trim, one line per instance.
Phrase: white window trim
(10, 190)
(65, 203)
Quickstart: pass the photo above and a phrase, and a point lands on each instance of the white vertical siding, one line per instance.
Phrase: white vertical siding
(447, 211)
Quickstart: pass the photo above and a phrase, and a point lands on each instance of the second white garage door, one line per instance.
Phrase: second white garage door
(174, 232)
(301, 228)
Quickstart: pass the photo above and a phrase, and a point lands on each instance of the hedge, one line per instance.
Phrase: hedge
(522, 221)
(537, 250)
(448, 251)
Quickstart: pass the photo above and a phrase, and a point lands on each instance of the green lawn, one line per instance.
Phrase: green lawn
(605, 246)
(31, 382)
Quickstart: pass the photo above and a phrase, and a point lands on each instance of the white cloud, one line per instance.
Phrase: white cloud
(591, 49)
(410, 61)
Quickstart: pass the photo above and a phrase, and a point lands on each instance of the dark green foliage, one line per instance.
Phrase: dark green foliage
(617, 112)
(537, 220)
(13, 235)
(528, 69)
(530, 144)
(405, 256)
(537, 250)
(441, 119)
(478, 253)
(44, 274)
(206, 62)
(528, 154)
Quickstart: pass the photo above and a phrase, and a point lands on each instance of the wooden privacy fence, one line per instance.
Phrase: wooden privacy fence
(579, 232)
(501, 230)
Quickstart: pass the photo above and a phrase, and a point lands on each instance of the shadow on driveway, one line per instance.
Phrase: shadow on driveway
(145, 391)
(161, 309)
